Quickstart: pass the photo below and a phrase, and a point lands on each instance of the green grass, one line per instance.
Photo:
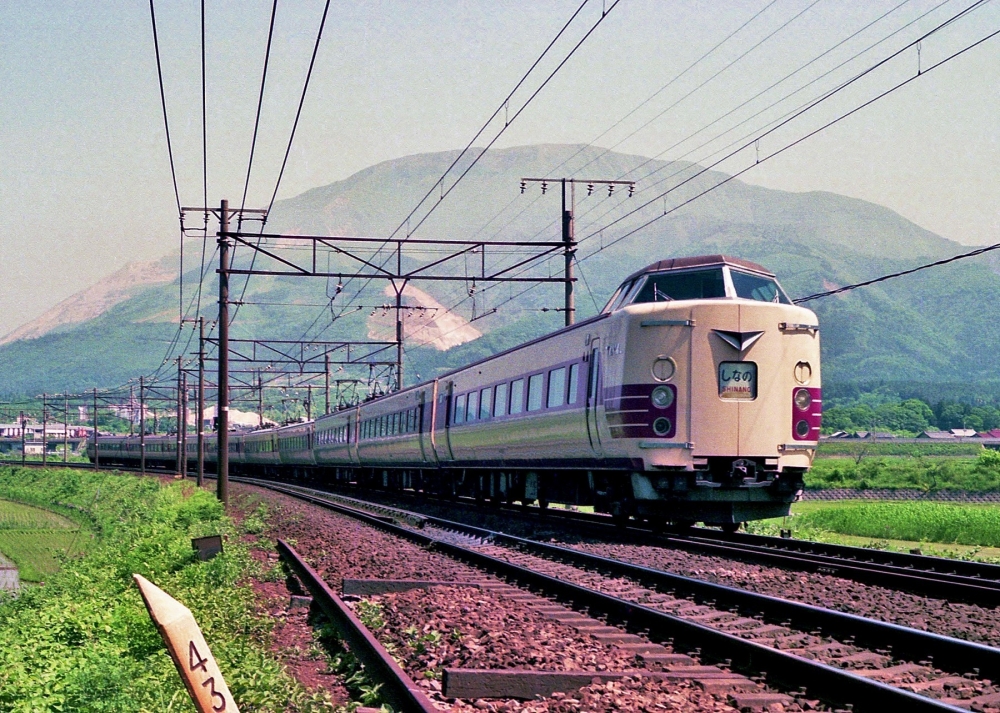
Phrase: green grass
(854, 448)
(37, 541)
(941, 529)
(84, 641)
(39, 554)
(943, 523)
(980, 474)
(18, 516)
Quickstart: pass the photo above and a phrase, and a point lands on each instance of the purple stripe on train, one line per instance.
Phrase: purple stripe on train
(633, 412)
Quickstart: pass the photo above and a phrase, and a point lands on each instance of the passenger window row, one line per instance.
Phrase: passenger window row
(332, 435)
(510, 399)
(294, 443)
(391, 424)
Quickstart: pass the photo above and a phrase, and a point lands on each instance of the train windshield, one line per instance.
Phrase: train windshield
(694, 285)
(755, 287)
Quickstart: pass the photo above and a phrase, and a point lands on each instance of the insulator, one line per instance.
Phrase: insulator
(631, 190)
(523, 186)
(545, 187)
(611, 189)
(590, 189)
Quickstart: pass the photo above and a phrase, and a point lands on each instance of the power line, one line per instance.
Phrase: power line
(797, 141)
(503, 105)
(765, 109)
(260, 103)
(797, 114)
(170, 150)
(508, 121)
(901, 273)
(288, 148)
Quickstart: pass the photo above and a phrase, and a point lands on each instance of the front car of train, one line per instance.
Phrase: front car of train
(711, 377)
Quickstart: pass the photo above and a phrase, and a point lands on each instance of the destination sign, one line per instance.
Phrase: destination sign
(738, 380)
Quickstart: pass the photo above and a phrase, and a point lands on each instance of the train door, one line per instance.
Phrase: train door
(595, 388)
(443, 421)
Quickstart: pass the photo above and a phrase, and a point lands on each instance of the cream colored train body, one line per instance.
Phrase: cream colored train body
(694, 396)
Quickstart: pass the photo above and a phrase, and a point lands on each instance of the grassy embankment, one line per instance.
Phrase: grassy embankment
(37, 540)
(947, 529)
(932, 468)
(84, 641)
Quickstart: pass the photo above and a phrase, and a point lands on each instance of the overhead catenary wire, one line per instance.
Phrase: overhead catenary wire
(617, 123)
(894, 275)
(807, 136)
(508, 121)
(288, 148)
(170, 149)
(804, 110)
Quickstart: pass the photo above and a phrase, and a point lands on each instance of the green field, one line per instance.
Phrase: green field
(38, 541)
(84, 641)
(943, 529)
(923, 472)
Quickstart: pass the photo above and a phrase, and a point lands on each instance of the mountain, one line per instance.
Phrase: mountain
(936, 326)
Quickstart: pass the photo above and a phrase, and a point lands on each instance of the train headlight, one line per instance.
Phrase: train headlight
(801, 428)
(661, 426)
(663, 368)
(662, 397)
(803, 399)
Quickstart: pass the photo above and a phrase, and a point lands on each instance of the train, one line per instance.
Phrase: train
(693, 396)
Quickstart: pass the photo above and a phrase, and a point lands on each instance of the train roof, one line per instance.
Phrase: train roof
(685, 263)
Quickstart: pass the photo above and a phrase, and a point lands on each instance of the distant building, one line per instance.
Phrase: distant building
(964, 432)
(937, 435)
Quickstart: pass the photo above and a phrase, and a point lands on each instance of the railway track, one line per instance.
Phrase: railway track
(954, 580)
(840, 658)
(950, 579)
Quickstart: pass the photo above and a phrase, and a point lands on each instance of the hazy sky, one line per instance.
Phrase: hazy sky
(84, 176)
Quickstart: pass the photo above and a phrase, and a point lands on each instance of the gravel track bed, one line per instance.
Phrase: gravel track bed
(920, 677)
(961, 621)
(469, 627)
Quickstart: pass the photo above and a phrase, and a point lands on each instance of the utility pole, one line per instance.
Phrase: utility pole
(65, 429)
(180, 367)
(97, 455)
(309, 402)
(201, 401)
(568, 228)
(260, 401)
(23, 444)
(45, 427)
(142, 425)
(326, 358)
(222, 410)
(184, 424)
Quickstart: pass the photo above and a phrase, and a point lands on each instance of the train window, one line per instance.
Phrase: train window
(536, 382)
(697, 284)
(473, 411)
(486, 402)
(557, 388)
(574, 377)
(517, 396)
(754, 287)
(500, 400)
(459, 409)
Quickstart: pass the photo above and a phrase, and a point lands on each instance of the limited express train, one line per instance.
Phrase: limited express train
(693, 396)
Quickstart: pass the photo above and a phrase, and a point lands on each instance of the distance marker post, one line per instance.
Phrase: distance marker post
(188, 649)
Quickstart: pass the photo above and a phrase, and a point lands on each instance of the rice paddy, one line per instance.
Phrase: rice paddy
(37, 541)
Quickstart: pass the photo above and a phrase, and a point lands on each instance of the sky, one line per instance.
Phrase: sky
(85, 180)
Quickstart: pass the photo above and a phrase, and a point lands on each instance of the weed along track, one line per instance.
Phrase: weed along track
(477, 618)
